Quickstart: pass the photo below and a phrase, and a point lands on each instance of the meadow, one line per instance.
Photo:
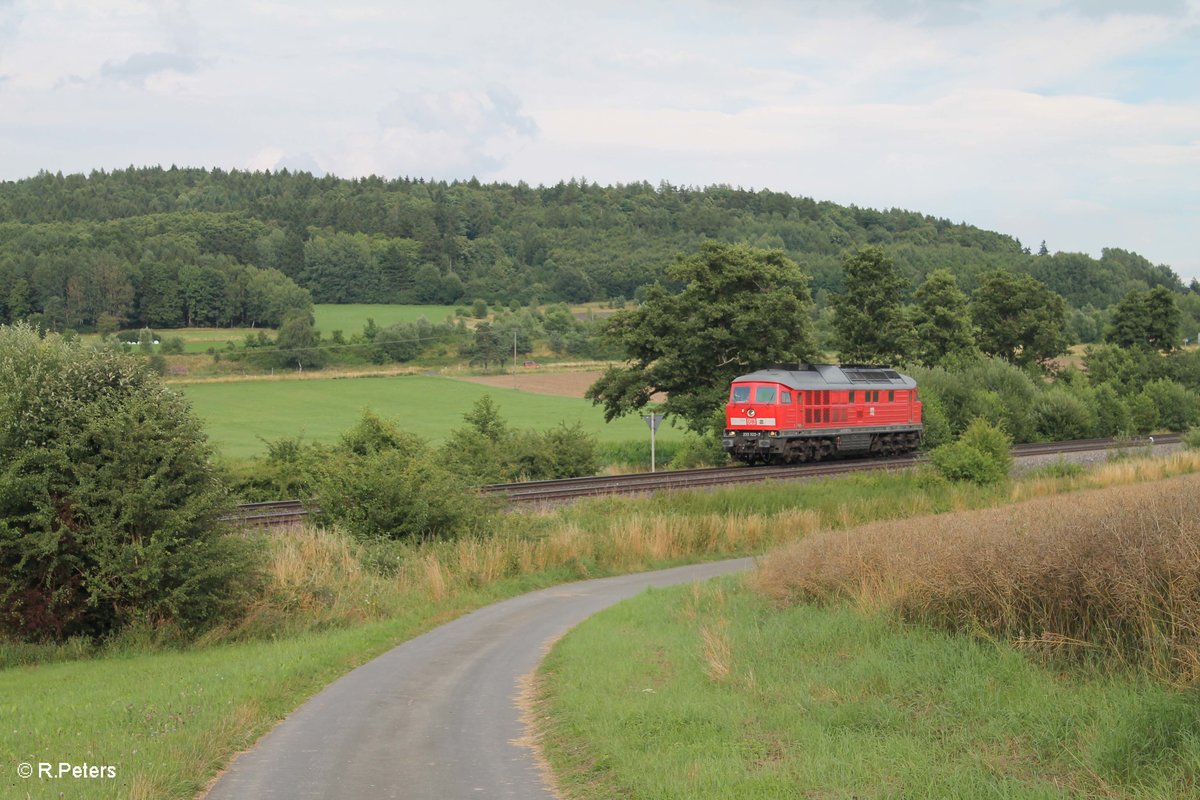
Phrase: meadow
(239, 415)
(197, 340)
(351, 318)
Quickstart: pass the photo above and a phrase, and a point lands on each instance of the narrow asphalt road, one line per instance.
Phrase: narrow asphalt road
(435, 717)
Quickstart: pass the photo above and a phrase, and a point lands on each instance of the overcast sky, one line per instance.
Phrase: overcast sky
(1076, 122)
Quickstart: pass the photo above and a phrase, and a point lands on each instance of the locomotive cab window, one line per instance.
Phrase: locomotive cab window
(787, 398)
(741, 394)
(764, 394)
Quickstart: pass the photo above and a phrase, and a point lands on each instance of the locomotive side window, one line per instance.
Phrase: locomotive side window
(787, 398)
(741, 394)
(851, 397)
(764, 394)
(892, 396)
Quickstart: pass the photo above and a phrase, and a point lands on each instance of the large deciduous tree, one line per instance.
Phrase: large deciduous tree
(298, 344)
(1019, 318)
(869, 316)
(1146, 319)
(740, 309)
(941, 320)
(487, 346)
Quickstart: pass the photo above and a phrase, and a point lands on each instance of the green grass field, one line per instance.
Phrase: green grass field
(239, 414)
(710, 692)
(197, 340)
(352, 317)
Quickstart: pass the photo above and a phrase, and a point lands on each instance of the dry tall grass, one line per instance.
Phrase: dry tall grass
(1113, 571)
(317, 578)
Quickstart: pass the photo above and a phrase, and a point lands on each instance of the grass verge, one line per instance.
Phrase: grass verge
(708, 691)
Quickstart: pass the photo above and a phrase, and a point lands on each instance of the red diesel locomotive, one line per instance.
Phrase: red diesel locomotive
(785, 415)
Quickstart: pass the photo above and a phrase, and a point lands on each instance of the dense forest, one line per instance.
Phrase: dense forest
(174, 247)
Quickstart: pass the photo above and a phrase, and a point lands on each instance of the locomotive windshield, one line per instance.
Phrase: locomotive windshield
(741, 394)
(764, 394)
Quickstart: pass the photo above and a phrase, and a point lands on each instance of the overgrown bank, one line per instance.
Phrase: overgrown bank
(331, 602)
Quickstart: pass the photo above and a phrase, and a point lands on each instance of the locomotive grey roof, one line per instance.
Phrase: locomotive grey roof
(832, 376)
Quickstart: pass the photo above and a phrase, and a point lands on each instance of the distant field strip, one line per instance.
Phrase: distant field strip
(350, 318)
(239, 414)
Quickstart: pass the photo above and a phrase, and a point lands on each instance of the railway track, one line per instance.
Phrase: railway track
(573, 488)
(286, 512)
(272, 514)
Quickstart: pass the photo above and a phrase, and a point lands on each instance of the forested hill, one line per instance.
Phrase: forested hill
(167, 247)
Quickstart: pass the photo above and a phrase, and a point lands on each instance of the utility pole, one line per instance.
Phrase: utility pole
(514, 359)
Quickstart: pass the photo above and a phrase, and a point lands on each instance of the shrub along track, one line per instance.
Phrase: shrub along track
(287, 512)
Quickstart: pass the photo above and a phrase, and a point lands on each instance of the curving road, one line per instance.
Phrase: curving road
(435, 717)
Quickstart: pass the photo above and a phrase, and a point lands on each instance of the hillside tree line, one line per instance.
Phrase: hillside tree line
(173, 247)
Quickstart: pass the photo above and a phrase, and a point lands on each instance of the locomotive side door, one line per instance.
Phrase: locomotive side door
(789, 408)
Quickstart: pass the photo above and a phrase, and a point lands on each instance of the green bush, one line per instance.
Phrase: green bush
(290, 471)
(488, 451)
(392, 494)
(1143, 414)
(984, 387)
(564, 451)
(108, 500)
(699, 451)
(373, 434)
(1058, 415)
(1112, 413)
(961, 462)
(990, 440)
(937, 424)
(400, 342)
(981, 455)
(1178, 409)
(1191, 439)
